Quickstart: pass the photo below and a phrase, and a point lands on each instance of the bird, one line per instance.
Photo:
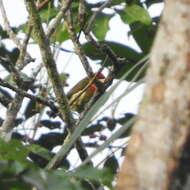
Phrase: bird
(84, 91)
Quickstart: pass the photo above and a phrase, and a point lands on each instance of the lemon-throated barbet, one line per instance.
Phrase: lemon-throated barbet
(84, 91)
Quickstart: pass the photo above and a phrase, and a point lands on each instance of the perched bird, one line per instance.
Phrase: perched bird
(84, 91)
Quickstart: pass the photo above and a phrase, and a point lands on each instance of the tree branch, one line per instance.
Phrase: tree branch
(7, 26)
(11, 33)
(11, 115)
(49, 63)
(116, 61)
(93, 17)
(77, 45)
(30, 96)
(162, 130)
(65, 6)
(23, 83)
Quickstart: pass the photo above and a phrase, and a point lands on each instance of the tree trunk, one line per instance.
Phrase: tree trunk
(158, 155)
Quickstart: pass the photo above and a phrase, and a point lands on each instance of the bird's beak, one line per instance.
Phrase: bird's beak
(102, 80)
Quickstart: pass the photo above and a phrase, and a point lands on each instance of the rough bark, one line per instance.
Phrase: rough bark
(161, 133)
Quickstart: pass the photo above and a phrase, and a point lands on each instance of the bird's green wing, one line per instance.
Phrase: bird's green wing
(78, 87)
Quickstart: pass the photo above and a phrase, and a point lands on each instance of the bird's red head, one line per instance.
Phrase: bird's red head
(100, 76)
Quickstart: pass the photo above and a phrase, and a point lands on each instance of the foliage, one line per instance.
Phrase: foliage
(19, 173)
(24, 158)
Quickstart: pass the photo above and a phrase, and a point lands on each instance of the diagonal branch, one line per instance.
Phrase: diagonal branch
(94, 16)
(15, 105)
(11, 115)
(49, 63)
(65, 6)
(11, 33)
(77, 45)
(116, 61)
(30, 96)
(7, 26)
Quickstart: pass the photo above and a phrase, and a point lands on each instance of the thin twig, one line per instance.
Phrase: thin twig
(82, 13)
(30, 96)
(117, 148)
(77, 45)
(95, 145)
(65, 6)
(9, 30)
(105, 49)
(11, 114)
(41, 4)
(20, 65)
(7, 26)
(15, 105)
(5, 98)
(93, 18)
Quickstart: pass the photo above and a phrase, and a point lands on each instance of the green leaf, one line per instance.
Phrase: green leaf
(132, 75)
(124, 120)
(119, 49)
(31, 109)
(117, 2)
(112, 164)
(61, 34)
(40, 151)
(48, 13)
(50, 124)
(16, 167)
(143, 35)
(92, 129)
(11, 175)
(134, 13)
(63, 77)
(48, 180)
(13, 150)
(93, 174)
(101, 26)
(52, 139)
(3, 33)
